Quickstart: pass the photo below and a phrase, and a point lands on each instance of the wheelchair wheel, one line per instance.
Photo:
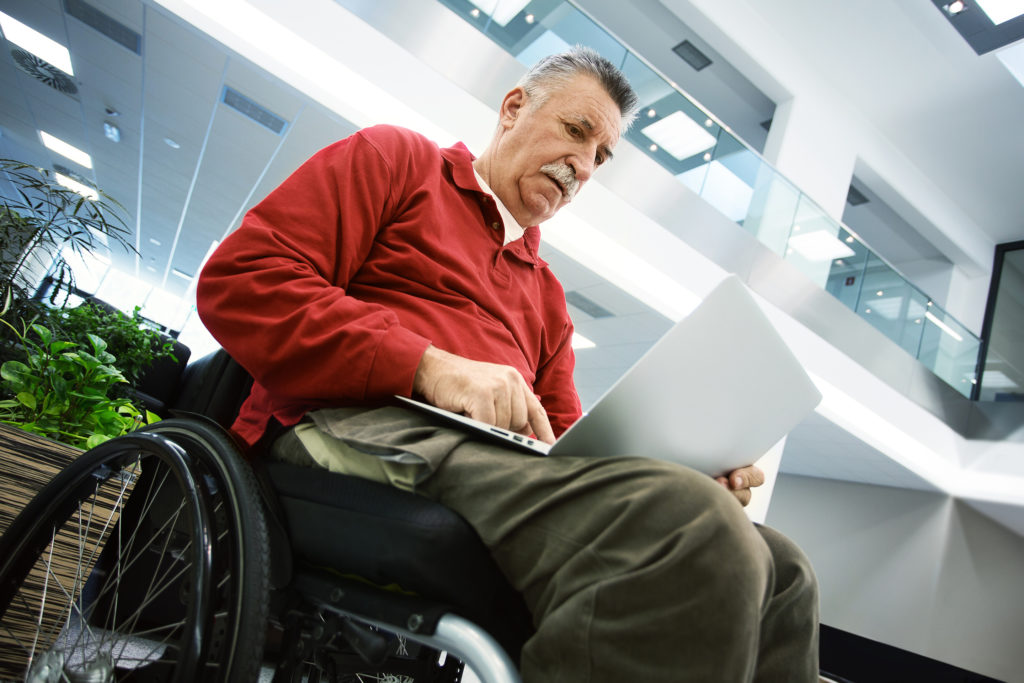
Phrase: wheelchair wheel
(243, 563)
(123, 567)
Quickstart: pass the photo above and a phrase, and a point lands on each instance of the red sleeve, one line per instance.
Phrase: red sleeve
(555, 386)
(273, 294)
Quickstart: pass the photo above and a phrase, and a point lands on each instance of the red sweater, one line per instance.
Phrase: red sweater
(334, 285)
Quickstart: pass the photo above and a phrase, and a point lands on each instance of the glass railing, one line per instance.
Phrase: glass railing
(712, 162)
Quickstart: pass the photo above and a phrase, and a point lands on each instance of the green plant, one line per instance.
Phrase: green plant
(135, 346)
(60, 391)
(43, 220)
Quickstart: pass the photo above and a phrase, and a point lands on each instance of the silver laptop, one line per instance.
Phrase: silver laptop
(715, 393)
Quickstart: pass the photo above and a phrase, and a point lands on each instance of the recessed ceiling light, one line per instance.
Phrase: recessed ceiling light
(1000, 11)
(35, 42)
(171, 143)
(112, 132)
(954, 8)
(879, 293)
(651, 113)
(849, 239)
(75, 186)
(679, 135)
(653, 148)
(154, 242)
(530, 18)
(67, 150)
(707, 156)
(180, 273)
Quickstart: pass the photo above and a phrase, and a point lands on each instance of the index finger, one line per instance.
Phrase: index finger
(538, 418)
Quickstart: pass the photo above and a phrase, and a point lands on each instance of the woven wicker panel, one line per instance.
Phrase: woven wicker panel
(27, 463)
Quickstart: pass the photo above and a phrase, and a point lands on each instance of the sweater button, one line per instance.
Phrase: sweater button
(495, 225)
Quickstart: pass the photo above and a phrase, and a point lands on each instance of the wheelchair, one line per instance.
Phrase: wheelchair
(165, 555)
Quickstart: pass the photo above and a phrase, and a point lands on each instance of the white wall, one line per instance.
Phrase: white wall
(912, 569)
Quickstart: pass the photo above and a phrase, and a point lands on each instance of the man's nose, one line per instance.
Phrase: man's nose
(582, 166)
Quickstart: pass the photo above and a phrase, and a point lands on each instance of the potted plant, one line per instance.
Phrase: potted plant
(59, 378)
(43, 220)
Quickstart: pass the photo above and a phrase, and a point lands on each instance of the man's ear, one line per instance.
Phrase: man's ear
(514, 101)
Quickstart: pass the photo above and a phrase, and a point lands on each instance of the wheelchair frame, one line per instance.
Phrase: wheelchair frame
(314, 611)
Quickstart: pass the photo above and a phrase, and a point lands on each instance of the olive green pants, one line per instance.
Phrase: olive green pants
(633, 569)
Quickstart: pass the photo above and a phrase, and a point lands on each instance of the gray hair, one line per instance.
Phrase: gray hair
(557, 70)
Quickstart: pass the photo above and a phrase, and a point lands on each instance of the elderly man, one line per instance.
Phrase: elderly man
(386, 265)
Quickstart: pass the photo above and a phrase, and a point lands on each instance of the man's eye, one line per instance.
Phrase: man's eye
(574, 130)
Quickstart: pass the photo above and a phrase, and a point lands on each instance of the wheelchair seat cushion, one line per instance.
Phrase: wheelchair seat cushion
(388, 536)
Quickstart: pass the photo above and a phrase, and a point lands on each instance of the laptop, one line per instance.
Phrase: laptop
(715, 393)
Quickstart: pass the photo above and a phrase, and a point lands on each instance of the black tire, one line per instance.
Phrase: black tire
(198, 579)
(242, 563)
(54, 580)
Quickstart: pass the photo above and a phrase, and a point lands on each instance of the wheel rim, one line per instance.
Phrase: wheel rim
(89, 572)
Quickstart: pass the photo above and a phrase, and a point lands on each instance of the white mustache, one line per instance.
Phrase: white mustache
(565, 176)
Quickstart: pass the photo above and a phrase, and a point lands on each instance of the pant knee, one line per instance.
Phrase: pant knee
(793, 570)
(687, 514)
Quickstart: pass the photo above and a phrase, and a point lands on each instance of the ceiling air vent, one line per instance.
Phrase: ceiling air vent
(105, 24)
(247, 107)
(41, 70)
(691, 55)
(587, 305)
(855, 197)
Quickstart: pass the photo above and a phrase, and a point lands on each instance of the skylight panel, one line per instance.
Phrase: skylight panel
(75, 186)
(35, 42)
(819, 246)
(679, 135)
(65, 149)
(1001, 11)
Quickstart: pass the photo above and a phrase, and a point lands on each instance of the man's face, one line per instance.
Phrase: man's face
(545, 154)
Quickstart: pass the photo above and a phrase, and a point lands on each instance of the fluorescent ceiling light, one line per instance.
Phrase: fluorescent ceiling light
(65, 149)
(819, 246)
(501, 11)
(679, 135)
(1001, 11)
(581, 342)
(35, 42)
(180, 273)
(75, 186)
(943, 326)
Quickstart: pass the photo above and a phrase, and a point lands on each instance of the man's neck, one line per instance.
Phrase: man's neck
(513, 230)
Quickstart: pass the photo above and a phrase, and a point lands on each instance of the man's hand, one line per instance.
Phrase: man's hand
(495, 394)
(741, 481)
